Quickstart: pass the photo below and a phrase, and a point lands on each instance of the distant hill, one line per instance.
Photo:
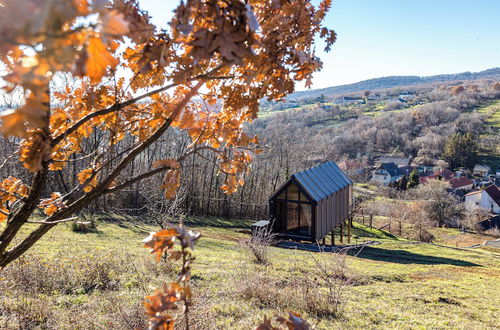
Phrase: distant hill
(395, 81)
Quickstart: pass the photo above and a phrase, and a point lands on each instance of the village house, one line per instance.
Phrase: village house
(405, 170)
(424, 170)
(386, 173)
(482, 170)
(405, 95)
(487, 199)
(350, 100)
(399, 161)
(396, 99)
(462, 183)
(493, 222)
(354, 167)
(445, 175)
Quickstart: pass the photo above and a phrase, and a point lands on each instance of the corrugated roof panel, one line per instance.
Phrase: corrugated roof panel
(334, 177)
(327, 180)
(323, 180)
(338, 172)
(308, 185)
(316, 181)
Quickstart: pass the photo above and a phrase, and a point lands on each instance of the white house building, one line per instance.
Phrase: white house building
(482, 170)
(386, 173)
(487, 199)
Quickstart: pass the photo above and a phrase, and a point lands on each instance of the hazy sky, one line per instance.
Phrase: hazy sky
(379, 38)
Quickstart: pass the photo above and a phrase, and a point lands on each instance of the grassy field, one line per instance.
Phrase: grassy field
(492, 127)
(493, 112)
(97, 280)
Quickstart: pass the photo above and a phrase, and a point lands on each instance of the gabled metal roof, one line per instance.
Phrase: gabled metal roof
(323, 180)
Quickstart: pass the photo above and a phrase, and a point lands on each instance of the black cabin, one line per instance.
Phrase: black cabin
(311, 203)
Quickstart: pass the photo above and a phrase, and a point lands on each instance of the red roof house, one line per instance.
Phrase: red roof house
(462, 183)
(445, 174)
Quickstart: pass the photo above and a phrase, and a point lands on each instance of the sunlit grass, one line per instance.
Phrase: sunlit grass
(400, 284)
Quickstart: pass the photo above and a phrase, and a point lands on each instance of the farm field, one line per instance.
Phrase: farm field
(492, 111)
(98, 280)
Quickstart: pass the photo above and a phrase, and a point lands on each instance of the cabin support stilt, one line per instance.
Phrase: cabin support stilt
(341, 232)
(349, 224)
(333, 238)
(324, 241)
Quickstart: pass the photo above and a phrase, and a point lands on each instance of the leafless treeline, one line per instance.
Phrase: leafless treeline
(291, 141)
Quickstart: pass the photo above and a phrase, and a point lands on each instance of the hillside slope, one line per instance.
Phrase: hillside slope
(102, 277)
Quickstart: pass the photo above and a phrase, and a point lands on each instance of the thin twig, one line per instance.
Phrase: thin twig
(119, 106)
(55, 222)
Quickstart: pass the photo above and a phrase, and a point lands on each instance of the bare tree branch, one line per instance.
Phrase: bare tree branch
(135, 179)
(120, 106)
(53, 222)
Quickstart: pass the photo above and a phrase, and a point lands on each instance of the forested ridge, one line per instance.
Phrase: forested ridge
(396, 81)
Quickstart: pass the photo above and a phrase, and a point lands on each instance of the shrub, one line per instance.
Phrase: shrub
(84, 227)
(26, 312)
(495, 231)
(259, 244)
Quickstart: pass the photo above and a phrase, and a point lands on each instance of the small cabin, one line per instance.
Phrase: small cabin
(312, 203)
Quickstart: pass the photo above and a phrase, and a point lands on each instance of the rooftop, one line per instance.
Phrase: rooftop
(391, 168)
(323, 180)
(494, 193)
(399, 161)
(460, 182)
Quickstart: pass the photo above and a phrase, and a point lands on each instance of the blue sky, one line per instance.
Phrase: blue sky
(379, 38)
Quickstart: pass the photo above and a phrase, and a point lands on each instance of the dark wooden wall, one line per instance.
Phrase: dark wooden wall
(332, 211)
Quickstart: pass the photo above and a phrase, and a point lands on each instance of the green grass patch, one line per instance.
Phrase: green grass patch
(397, 284)
(492, 111)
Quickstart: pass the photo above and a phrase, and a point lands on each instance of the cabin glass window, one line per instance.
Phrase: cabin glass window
(282, 195)
(303, 197)
(292, 222)
(305, 219)
(293, 211)
(293, 192)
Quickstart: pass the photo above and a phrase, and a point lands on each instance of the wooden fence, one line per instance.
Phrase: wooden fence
(225, 207)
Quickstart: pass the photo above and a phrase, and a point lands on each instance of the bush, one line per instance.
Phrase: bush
(84, 227)
(259, 244)
(425, 236)
(41, 294)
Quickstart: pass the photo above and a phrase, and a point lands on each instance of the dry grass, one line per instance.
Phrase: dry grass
(74, 275)
(455, 238)
(495, 232)
(320, 293)
(259, 244)
(84, 291)
(98, 281)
